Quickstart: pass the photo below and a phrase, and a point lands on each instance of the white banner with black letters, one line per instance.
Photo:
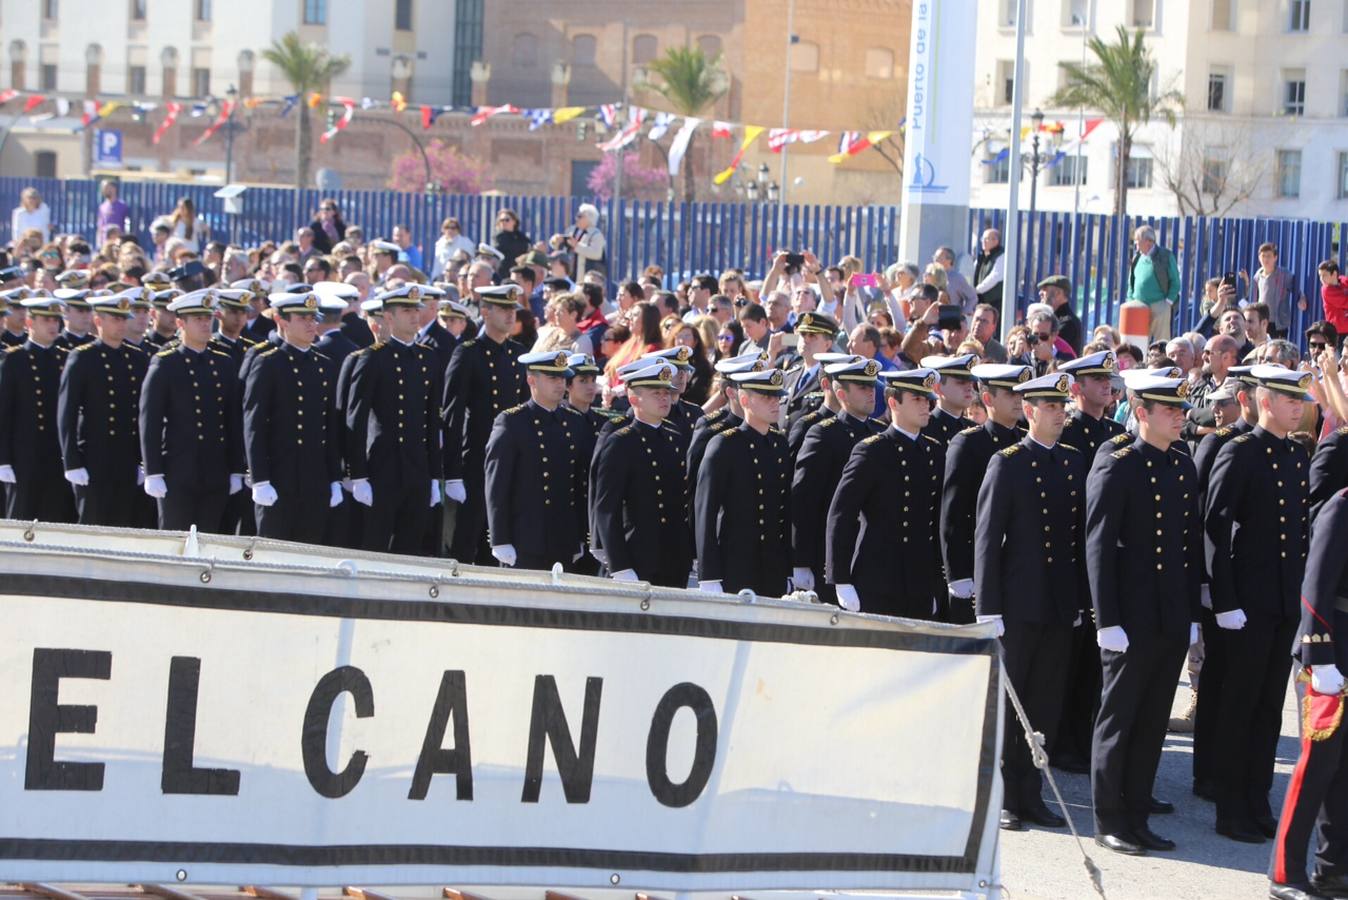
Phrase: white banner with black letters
(250, 722)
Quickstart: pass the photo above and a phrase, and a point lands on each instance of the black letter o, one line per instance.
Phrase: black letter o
(657, 745)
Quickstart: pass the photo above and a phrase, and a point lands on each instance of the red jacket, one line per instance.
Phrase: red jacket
(1335, 299)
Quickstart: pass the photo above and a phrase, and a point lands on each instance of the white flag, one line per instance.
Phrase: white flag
(680, 145)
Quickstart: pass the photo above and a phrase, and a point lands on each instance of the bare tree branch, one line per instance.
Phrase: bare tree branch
(1215, 168)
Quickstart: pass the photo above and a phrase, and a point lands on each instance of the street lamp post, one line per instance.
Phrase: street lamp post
(1036, 166)
(232, 96)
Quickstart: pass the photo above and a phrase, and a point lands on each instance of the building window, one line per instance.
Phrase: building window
(805, 57)
(583, 49)
(201, 82)
(135, 81)
(710, 45)
(879, 63)
(45, 163)
(1214, 175)
(168, 59)
(402, 15)
(1223, 16)
(315, 12)
(644, 49)
(51, 10)
(1075, 13)
(1138, 174)
(1343, 176)
(998, 168)
(47, 77)
(1066, 172)
(1218, 84)
(203, 8)
(524, 51)
(1144, 13)
(1294, 92)
(1289, 173)
(1004, 83)
(138, 10)
(1006, 14)
(467, 47)
(1299, 15)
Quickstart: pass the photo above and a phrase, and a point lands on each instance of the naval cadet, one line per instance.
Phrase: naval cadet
(393, 430)
(1257, 529)
(346, 522)
(191, 428)
(484, 379)
(742, 505)
(815, 333)
(1144, 560)
(14, 333)
(1315, 801)
(640, 518)
(531, 472)
(332, 342)
(164, 323)
(882, 552)
(966, 464)
(97, 417)
(290, 429)
(1092, 391)
(30, 446)
(1030, 580)
(954, 394)
(582, 386)
(683, 414)
(727, 417)
(232, 309)
(79, 316)
(824, 452)
(805, 418)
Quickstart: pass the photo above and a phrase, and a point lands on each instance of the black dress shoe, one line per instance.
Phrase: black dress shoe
(1043, 816)
(1293, 892)
(1161, 807)
(1151, 840)
(1331, 885)
(1070, 763)
(1238, 830)
(1120, 844)
(1009, 821)
(1206, 791)
(1267, 825)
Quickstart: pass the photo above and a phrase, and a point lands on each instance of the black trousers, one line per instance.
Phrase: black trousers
(185, 506)
(396, 522)
(109, 501)
(1135, 701)
(1206, 748)
(960, 611)
(239, 517)
(295, 516)
(43, 494)
(1081, 700)
(1249, 714)
(1317, 796)
(469, 544)
(1036, 665)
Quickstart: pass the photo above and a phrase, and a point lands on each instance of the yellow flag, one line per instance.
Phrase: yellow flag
(108, 108)
(751, 133)
(566, 114)
(315, 98)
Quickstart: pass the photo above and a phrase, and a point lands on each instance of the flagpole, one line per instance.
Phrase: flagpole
(786, 95)
(618, 153)
(1011, 233)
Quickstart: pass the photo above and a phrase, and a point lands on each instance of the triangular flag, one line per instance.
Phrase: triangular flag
(566, 114)
(809, 137)
(345, 120)
(486, 112)
(751, 133)
(288, 103)
(720, 129)
(91, 113)
(32, 103)
(225, 109)
(663, 121)
(680, 144)
(171, 111)
(780, 137)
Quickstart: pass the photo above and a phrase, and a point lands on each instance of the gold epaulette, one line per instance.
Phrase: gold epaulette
(219, 353)
(1011, 451)
(972, 430)
(1120, 454)
(1223, 432)
(873, 438)
(1068, 447)
(1240, 439)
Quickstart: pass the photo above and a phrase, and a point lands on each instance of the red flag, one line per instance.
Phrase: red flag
(426, 117)
(225, 109)
(7, 95)
(486, 112)
(171, 111)
(32, 103)
(341, 123)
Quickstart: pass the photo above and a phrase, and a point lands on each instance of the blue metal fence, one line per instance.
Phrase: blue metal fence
(1097, 263)
(681, 238)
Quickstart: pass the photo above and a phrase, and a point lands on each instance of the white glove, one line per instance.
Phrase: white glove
(1205, 595)
(625, 575)
(336, 499)
(996, 620)
(78, 476)
(155, 486)
(1233, 620)
(7, 475)
(803, 579)
(264, 494)
(1193, 633)
(962, 588)
(505, 554)
(848, 599)
(140, 475)
(435, 492)
(711, 587)
(235, 483)
(1326, 679)
(361, 492)
(455, 490)
(1112, 638)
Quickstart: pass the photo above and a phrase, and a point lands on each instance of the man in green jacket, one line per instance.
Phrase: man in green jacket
(1154, 279)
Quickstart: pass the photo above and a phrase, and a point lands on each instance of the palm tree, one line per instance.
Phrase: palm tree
(691, 83)
(1118, 83)
(308, 68)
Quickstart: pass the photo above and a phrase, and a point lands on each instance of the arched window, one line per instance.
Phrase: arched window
(93, 64)
(17, 57)
(583, 50)
(710, 44)
(524, 51)
(644, 49)
(168, 59)
(247, 63)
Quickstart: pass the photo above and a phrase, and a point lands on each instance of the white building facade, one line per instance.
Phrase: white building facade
(1263, 130)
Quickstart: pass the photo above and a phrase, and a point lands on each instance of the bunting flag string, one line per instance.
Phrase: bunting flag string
(661, 126)
(430, 113)
(537, 117)
(288, 103)
(350, 106)
(566, 114)
(636, 118)
(225, 109)
(486, 112)
(751, 133)
(680, 145)
(171, 111)
(7, 95)
(32, 103)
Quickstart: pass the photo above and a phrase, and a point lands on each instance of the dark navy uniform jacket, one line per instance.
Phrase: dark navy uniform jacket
(1087, 434)
(191, 422)
(707, 428)
(1329, 469)
(1322, 638)
(393, 415)
(824, 452)
(942, 426)
(966, 464)
(30, 382)
(484, 379)
(291, 432)
(1030, 542)
(98, 409)
(531, 482)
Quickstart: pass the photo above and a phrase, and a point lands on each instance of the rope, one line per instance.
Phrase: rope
(1040, 757)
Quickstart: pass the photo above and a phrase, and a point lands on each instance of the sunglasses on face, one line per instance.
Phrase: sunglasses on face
(1317, 346)
(725, 338)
